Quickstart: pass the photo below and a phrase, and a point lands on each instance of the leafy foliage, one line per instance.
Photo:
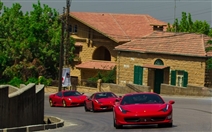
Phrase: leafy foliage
(29, 42)
(107, 77)
(42, 80)
(32, 80)
(45, 81)
(16, 82)
(186, 24)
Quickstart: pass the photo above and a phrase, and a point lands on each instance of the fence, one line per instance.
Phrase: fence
(22, 107)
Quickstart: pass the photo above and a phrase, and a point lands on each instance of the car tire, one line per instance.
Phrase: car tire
(64, 103)
(115, 124)
(51, 103)
(165, 125)
(85, 106)
(93, 109)
(169, 125)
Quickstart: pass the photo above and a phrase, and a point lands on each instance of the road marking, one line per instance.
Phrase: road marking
(69, 124)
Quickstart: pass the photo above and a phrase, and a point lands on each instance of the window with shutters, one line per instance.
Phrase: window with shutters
(138, 75)
(179, 78)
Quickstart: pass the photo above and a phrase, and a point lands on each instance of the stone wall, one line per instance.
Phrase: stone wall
(188, 91)
(90, 41)
(22, 107)
(83, 89)
(126, 61)
(120, 89)
(130, 88)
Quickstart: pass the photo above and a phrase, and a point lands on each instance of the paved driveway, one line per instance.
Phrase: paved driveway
(191, 114)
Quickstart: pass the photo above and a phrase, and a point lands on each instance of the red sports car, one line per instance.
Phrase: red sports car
(142, 109)
(101, 101)
(67, 98)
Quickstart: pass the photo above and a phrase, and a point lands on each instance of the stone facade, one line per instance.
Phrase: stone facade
(90, 41)
(126, 61)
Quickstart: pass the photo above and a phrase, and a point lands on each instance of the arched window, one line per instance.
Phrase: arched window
(158, 62)
(102, 53)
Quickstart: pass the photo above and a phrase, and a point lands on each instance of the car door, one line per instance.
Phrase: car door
(89, 101)
(58, 98)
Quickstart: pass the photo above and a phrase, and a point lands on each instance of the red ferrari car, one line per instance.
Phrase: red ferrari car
(100, 101)
(142, 109)
(67, 98)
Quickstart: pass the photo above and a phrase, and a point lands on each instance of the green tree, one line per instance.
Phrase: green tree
(186, 24)
(29, 42)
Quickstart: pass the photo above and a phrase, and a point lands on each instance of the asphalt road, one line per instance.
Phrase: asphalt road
(191, 114)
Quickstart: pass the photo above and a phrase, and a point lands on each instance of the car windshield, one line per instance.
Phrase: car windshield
(104, 95)
(71, 93)
(141, 99)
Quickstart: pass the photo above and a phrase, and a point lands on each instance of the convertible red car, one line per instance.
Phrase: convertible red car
(142, 109)
(100, 101)
(67, 98)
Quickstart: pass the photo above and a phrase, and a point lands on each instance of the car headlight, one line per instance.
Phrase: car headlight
(169, 117)
(123, 110)
(98, 102)
(165, 108)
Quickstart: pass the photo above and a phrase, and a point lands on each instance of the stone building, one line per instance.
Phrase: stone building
(177, 59)
(139, 48)
(97, 35)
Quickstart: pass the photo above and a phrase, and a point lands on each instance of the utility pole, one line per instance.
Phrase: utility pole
(175, 13)
(67, 43)
(175, 7)
(61, 50)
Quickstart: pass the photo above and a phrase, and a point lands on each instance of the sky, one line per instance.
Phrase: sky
(161, 9)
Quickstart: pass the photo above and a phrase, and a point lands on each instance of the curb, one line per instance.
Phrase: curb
(38, 127)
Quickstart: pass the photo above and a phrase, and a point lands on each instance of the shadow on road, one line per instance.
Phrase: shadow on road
(144, 127)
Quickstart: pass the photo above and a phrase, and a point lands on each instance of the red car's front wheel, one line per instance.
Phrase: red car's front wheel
(115, 123)
(165, 125)
(85, 106)
(64, 103)
(51, 103)
(93, 107)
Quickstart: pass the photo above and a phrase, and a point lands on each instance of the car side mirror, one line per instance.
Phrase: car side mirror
(120, 96)
(117, 100)
(82, 93)
(171, 102)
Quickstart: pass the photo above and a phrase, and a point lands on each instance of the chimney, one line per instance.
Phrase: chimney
(157, 28)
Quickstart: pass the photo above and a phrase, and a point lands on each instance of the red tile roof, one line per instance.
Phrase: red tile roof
(187, 44)
(96, 64)
(118, 27)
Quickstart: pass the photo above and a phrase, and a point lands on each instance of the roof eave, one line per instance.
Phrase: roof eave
(151, 24)
(127, 50)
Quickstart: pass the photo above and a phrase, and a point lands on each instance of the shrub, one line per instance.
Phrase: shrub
(32, 80)
(16, 82)
(108, 77)
(45, 81)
